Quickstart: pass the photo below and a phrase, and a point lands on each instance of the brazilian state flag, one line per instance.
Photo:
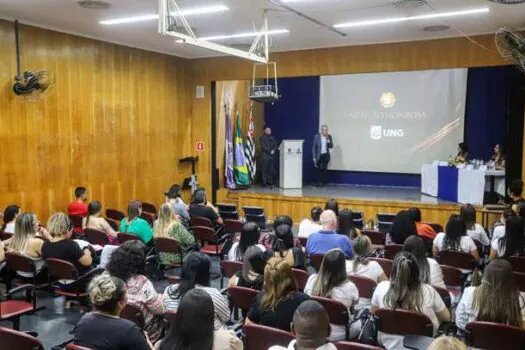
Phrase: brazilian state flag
(240, 169)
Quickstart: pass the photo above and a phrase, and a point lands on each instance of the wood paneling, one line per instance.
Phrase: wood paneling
(116, 121)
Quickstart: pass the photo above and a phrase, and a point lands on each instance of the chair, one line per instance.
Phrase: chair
(149, 208)
(206, 235)
(5, 236)
(303, 241)
(124, 237)
(385, 221)
(520, 280)
(358, 219)
(233, 226)
(391, 250)
(262, 338)
(445, 295)
(517, 263)
(365, 285)
(134, 314)
(337, 312)
(14, 339)
(494, 336)
(200, 221)
(346, 345)
(171, 316)
(76, 220)
(452, 276)
(460, 260)
(169, 246)
(115, 225)
(386, 264)
(72, 346)
(242, 298)
(404, 322)
(64, 270)
(150, 218)
(229, 268)
(436, 227)
(115, 214)
(316, 260)
(255, 214)
(376, 237)
(301, 277)
(11, 310)
(228, 211)
(19, 262)
(96, 237)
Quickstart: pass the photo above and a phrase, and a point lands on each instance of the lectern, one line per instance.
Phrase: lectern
(291, 164)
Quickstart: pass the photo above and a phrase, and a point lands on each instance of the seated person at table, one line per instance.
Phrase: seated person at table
(474, 230)
(200, 208)
(462, 157)
(512, 243)
(283, 248)
(103, 328)
(310, 327)
(429, 269)
(455, 238)
(405, 291)
(515, 190)
(497, 299)
(11, 212)
(79, 206)
(252, 273)
(327, 238)
(307, 227)
(94, 221)
(498, 157)
(423, 230)
(250, 234)
(136, 225)
(346, 225)
(276, 304)
(402, 227)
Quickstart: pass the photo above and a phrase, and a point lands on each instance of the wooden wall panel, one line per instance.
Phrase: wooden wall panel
(116, 121)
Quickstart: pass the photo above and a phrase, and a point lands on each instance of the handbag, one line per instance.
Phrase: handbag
(369, 327)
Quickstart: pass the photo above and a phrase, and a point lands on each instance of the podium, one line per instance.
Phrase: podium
(291, 164)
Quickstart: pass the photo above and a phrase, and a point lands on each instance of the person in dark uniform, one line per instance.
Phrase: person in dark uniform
(268, 147)
(321, 153)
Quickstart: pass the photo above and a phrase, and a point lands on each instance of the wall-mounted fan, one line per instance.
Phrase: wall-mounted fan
(31, 83)
(511, 46)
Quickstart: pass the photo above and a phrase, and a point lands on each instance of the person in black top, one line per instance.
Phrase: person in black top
(252, 273)
(200, 208)
(515, 190)
(103, 329)
(403, 227)
(268, 147)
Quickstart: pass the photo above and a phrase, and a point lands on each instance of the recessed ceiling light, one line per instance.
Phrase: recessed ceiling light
(151, 17)
(94, 4)
(411, 18)
(243, 35)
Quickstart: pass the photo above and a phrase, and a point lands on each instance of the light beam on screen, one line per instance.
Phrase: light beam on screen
(436, 137)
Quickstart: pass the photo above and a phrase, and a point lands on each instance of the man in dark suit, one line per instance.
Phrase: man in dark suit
(321, 153)
(268, 148)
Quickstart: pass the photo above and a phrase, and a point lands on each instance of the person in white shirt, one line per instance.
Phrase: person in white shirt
(497, 299)
(429, 269)
(250, 235)
(405, 291)
(11, 212)
(513, 241)
(307, 227)
(474, 230)
(499, 230)
(311, 327)
(332, 283)
(455, 238)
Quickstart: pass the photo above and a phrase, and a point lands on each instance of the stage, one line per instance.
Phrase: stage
(369, 200)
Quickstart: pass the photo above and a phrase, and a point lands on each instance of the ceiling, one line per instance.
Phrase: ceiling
(245, 15)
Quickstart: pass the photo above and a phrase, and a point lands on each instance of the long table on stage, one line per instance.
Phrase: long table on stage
(461, 185)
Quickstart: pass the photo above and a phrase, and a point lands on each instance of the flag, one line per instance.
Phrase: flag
(249, 147)
(228, 166)
(241, 171)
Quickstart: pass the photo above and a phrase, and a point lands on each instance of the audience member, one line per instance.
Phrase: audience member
(250, 235)
(252, 273)
(307, 227)
(513, 241)
(423, 230)
(174, 198)
(429, 269)
(276, 304)
(519, 208)
(196, 274)
(455, 238)
(310, 327)
(103, 328)
(331, 204)
(11, 212)
(128, 262)
(332, 283)
(79, 206)
(447, 343)
(360, 265)
(168, 226)
(497, 299)
(346, 225)
(515, 190)
(283, 248)
(194, 327)
(327, 238)
(474, 230)
(268, 237)
(94, 221)
(499, 228)
(136, 225)
(403, 227)
(405, 291)
(200, 208)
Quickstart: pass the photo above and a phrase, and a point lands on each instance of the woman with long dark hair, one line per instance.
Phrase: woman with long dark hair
(249, 236)
(455, 238)
(403, 227)
(429, 269)
(497, 299)
(11, 212)
(252, 273)
(331, 204)
(512, 243)
(196, 274)
(474, 230)
(346, 225)
(331, 282)
(405, 291)
(283, 248)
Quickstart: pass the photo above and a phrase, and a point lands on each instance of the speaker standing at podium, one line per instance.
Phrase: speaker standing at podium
(321, 153)
(268, 147)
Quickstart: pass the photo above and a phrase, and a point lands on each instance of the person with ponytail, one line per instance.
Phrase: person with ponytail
(136, 225)
(360, 265)
(512, 243)
(103, 328)
(497, 299)
(405, 291)
(283, 248)
(455, 238)
(429, 269)
(94, 221)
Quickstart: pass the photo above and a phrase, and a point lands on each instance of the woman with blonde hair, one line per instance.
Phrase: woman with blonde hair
(447, 343)
(168, 226)
(360, 265)
(276, 304)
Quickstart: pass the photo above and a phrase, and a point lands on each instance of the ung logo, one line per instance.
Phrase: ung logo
(376, 131)
(388, 100)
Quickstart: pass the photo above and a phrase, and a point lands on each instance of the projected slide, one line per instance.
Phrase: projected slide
(393, 122)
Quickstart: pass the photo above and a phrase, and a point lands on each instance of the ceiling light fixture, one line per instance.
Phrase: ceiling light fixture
(412, 18)
(189, 12)
(243, 35)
